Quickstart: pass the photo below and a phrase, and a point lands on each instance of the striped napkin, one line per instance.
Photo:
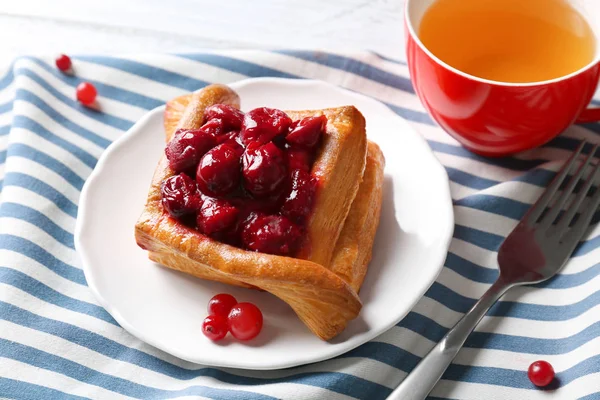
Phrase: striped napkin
(56, 342)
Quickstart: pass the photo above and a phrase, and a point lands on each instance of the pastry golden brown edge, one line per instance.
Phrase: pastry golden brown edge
(323, 294)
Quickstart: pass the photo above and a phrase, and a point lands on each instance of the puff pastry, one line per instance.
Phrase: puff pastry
(322, 281)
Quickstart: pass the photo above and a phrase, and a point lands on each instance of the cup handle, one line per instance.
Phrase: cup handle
(589, 115)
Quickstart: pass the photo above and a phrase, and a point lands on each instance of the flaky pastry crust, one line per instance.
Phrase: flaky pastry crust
(353, 249)
(323, 294)
(339, 168)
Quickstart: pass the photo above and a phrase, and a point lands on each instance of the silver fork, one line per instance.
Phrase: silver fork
(535, 251)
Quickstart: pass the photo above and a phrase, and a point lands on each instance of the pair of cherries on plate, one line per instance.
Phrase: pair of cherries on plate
(225, 314)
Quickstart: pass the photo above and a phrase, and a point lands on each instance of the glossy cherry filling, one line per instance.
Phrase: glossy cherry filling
(252, 188)
(263, 168)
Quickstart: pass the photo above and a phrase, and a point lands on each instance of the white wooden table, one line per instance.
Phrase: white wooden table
(124, 26)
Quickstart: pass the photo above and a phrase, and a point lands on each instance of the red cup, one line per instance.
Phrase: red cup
(495, 118)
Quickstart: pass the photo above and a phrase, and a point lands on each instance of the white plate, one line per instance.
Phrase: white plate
(165, 308)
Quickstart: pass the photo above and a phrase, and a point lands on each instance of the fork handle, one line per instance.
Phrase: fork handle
(422, 379)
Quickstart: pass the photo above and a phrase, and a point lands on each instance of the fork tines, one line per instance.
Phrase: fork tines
(556, 200)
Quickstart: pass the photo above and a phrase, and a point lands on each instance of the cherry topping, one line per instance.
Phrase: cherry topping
(227, 137)
(232, 139)
(541, 373)
(63, 62)
(280, 142)
(273, 234)
(268, 205)
(253, 186)
(307, 131)
(219, 170)
(231, 117)
(86, 93)
(214, 127)
(215, 327)
(221, 304)
(245, 321)
(216, 215)
(263, 124)
(179, 195)
(187, 147)
(299, 201)
(263, 168)
(298, 159)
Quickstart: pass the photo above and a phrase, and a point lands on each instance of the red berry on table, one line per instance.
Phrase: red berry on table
(63, 62)
(541, 373)
(245, 321)
(86, 93)
(214, 327)
(221, 304)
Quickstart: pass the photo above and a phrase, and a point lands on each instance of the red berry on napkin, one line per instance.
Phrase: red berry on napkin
(541, 373)
(63, 62)
(86, 93)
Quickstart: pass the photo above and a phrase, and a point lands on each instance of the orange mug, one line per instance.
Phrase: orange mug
(494, 118)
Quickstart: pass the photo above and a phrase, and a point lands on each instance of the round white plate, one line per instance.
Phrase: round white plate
(165, 308)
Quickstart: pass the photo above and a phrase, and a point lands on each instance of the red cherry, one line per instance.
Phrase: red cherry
(232, 139)
(228, 137)
(298, 159)
(307, 131)
(299, 201)
(231, 117)
(221, 304)
(216, 215)
(187, 147)
(86, 93)
(215, 327)
(267, 205)
(263, 168)
(541, 373)
(63, 62)
(245, 321)
(219, 170)
(179, 195)
(214, 127)
(272, 234)
(263, 124)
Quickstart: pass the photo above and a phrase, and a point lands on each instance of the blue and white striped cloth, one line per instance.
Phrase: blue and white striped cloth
(56, 342)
